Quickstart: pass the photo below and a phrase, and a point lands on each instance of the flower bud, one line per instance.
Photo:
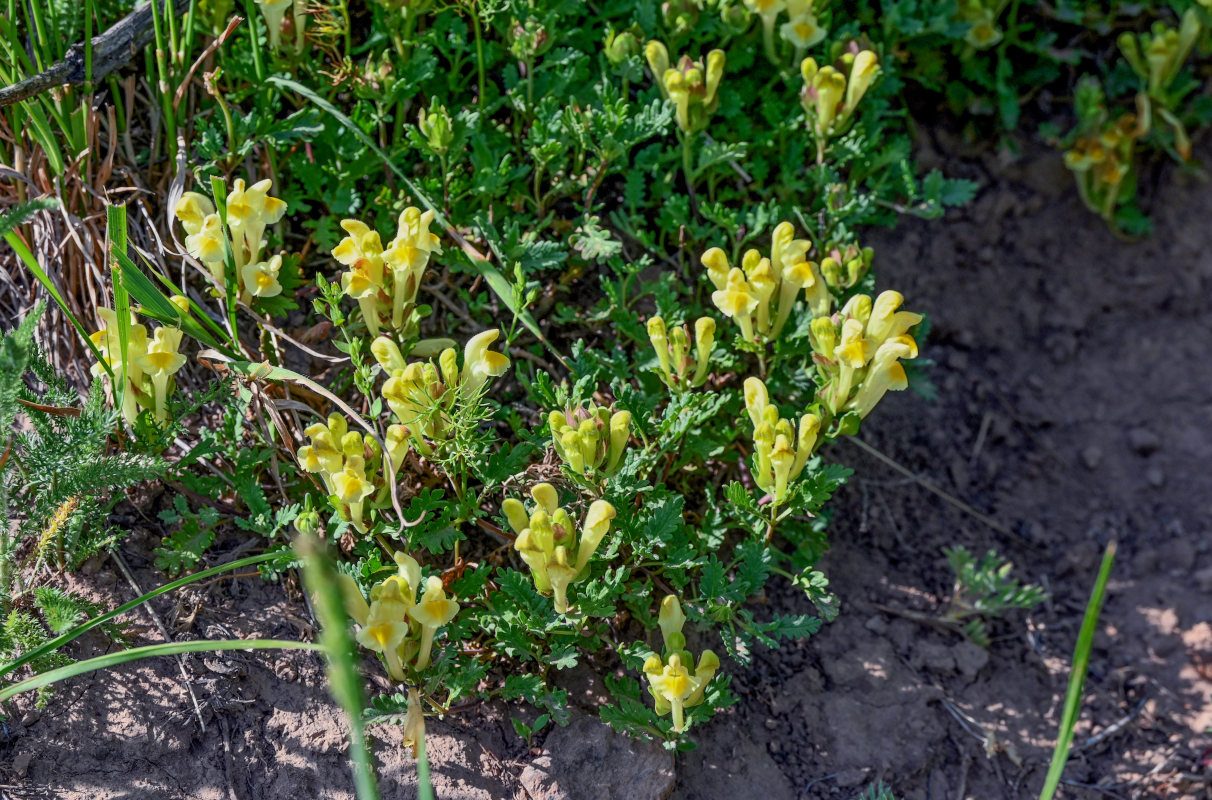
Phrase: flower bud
(436, 127)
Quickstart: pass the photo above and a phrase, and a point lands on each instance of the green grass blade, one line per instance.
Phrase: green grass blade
(150, 651)
(492, 275)
(424, 787)
(1077, 676)
(343, 678)
(231, 282)
(155, 304)
(115, 232)
(85, 627)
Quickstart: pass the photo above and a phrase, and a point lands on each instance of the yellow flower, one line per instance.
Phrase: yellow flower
(779, 454)
(885, 374)
(803, 31)
(351, 487)
(593, 448)
(261, 279)
(549, 543)
(737, 301)
(407, 257)
(250, 210)
(161, 362)
(480, 363)
(692, 86)
(362, 252)
(138, 389)
(207, 246)
(674, 682)
(434, 611)
(192, 210)
(831, 97)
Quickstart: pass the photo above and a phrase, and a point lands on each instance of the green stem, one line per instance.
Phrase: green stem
(475, 24)
(159, 8)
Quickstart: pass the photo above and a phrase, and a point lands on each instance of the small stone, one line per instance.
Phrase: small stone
(774, 747)
(935, 656)
(1092, 456)
(1143, 441)
(970, 658)
(21, 764)
(1203, 579)
(771, 723)
(877, 625)
(587, 760)
(1155, 477)
(848, 779)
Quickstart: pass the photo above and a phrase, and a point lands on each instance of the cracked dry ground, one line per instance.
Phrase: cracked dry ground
(1073, 408)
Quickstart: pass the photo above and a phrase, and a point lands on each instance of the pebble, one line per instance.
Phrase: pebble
(877, 625)
(850, 778)
(21, 764)
(771, 723)
(1092, 456)
(1203, 579)
(970, 658)
(1155, 477)
(1143, 441)
(935, 656)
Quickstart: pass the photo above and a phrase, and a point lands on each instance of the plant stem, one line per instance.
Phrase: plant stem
(475, 24)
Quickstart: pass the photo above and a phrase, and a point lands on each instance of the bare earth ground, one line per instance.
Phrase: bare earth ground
(1074, 407)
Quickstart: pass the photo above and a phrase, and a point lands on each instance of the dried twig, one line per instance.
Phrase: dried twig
(111, 50)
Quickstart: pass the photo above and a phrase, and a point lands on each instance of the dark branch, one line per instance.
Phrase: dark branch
(111, 50)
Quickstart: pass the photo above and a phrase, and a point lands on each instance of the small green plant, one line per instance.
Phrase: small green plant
(58, 480)
(1077, 676)
(984, 589)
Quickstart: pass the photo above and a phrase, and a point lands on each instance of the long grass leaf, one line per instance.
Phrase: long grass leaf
(150, 651)
(115, 233)
(343, 678)
(1077, 676)
(155, 304)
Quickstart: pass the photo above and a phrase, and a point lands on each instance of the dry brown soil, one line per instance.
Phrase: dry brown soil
(1075, 407)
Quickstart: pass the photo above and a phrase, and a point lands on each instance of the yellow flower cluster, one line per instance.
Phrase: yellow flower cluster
(692, 86)
(548, 541)
(779, 452)
(674, 681)
(423, 396)
(150, 364)
(250, 210)
(590, 441)
(831, 95)
(385, 281)
(349, 463)
(761, 293)
(395, 624)
(673, 354)
(1157, 56)
(858, 350)
(1103, 161)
